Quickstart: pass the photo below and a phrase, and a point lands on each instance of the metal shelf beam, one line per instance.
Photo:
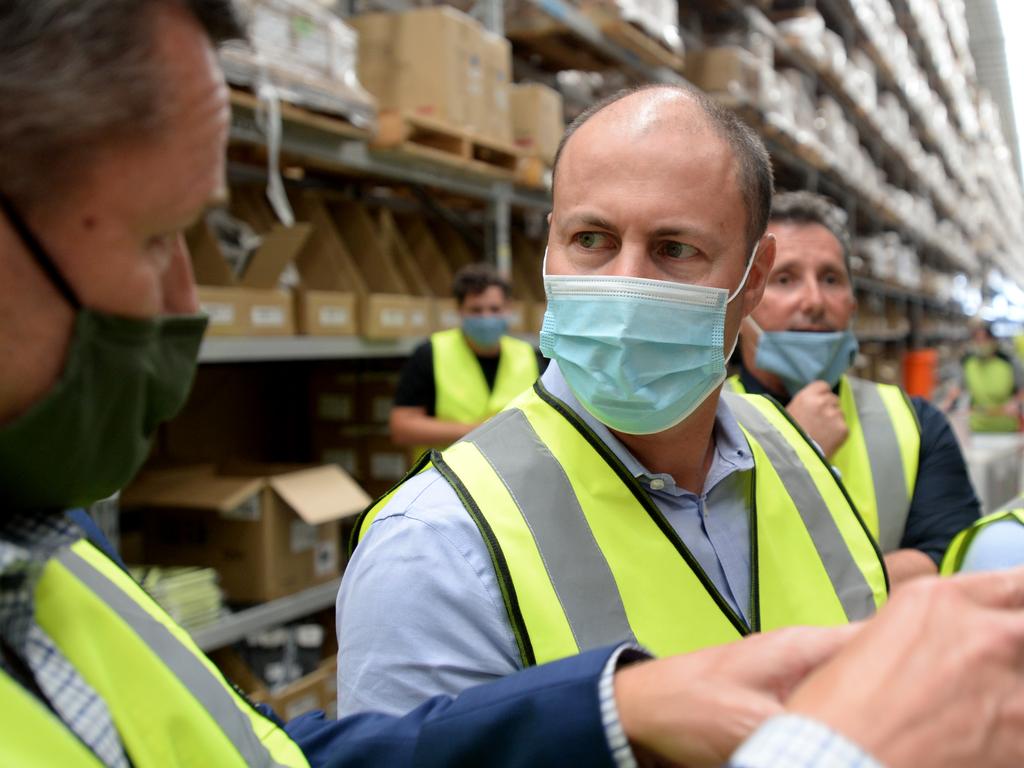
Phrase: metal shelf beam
(264, 349)
(240, 625)
(339, 152)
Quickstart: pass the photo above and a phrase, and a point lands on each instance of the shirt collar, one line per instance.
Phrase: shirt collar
(732, 452)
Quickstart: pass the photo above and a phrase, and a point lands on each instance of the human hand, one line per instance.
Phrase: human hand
(816, 409)
(696, 709)
(936, 679)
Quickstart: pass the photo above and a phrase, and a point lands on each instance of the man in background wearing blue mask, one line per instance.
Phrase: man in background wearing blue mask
(898, 458)
(617, 498)
(461, 377)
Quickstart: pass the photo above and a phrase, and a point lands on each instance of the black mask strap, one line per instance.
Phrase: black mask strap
(42, 258)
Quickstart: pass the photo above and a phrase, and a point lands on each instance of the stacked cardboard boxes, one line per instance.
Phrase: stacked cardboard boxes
(538, 120)
(350, 412)
(438, 63)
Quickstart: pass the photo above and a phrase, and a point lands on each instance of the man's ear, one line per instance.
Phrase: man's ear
(764, 260)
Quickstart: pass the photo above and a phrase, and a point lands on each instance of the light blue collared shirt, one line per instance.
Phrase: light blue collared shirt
(420, 612)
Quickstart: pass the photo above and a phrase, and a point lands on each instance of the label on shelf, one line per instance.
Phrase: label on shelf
(263, 316)
(325, 559)
(392, 318)
(249, 510)
(219, 313)
(302, 536)
(334, 317)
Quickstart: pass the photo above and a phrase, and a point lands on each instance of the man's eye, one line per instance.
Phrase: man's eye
(673, 250)
(591, 240)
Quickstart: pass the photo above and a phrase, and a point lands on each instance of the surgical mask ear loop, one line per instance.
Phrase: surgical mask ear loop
(734, 294)
(746, 274)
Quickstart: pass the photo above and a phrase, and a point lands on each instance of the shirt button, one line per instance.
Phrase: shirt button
(657, 484)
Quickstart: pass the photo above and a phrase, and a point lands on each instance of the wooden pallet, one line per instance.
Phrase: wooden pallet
(532, 172)
(440, 142)
(560, 48)
(291, 113)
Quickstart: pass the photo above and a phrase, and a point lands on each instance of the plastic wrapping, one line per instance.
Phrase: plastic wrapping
(307, 53)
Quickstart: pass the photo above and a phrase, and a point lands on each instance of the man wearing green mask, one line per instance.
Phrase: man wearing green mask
(462, 376)
(620, 497)
(898, 458)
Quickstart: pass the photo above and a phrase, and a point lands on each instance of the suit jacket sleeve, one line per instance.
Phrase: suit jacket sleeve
(544, 716)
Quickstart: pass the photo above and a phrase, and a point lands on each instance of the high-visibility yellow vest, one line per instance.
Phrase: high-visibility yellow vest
(584, 557)
(169, 703)
(462, 391)
(954, 557)
(879, 459)
(990, 383)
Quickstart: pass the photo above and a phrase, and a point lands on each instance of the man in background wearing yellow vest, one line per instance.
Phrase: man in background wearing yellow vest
(992, 381)
(620, 497)
(461, 377)
(898, 458)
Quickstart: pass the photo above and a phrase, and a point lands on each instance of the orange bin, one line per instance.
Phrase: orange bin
(919, 372)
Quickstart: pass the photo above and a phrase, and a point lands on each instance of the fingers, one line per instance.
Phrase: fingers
(993, 589)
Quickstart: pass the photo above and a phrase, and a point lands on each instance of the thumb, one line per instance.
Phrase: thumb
(798, 651)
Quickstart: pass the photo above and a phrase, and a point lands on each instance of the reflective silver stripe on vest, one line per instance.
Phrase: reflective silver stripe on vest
(886, 463)
(575, 564)
(848, 581)
(208, 691)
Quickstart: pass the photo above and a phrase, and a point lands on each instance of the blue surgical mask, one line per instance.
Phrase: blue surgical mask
(800, 357)
(640, 355)
(485, 331)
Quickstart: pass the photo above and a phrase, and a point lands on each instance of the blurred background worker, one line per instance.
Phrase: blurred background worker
(898, 458)
(462, 376)
(991, 378)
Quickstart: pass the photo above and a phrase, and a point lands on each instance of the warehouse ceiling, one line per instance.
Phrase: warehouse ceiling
(988, 47)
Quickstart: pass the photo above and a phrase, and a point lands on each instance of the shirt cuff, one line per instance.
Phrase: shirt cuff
(792, 741)
(618, 742)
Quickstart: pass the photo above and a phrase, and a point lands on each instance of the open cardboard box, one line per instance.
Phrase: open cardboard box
(249, 304)
(269, 530)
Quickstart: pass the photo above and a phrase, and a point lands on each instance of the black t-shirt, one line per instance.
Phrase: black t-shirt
(416, 384)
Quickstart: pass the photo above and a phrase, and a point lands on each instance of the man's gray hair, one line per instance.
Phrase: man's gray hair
(77, 73)
(810, 208)
(753, 161)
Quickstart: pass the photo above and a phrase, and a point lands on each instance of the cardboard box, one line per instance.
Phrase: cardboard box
(376, 396)
(385, 464)
(538, 119)
(497, 63)
(341, 445)
(427, 61)
(247, 311)
(518, 313)
(268, 530)
(333, 396)
(446, 314)
(249, 303)
(327, 313)
(424, 250)
(453, 247)
(318, 690)
(725, 69)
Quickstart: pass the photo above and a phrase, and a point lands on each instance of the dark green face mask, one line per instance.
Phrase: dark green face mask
(90, 434)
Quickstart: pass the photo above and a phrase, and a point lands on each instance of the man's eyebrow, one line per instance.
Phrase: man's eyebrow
(678, 231)
(588, 219)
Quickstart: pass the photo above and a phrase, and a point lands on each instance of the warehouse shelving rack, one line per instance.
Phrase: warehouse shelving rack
(333, 149)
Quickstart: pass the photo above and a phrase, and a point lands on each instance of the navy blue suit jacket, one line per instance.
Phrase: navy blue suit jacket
(544, 716)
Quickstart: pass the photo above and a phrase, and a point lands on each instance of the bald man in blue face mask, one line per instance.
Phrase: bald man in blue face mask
(620, 498)
(898, 457)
